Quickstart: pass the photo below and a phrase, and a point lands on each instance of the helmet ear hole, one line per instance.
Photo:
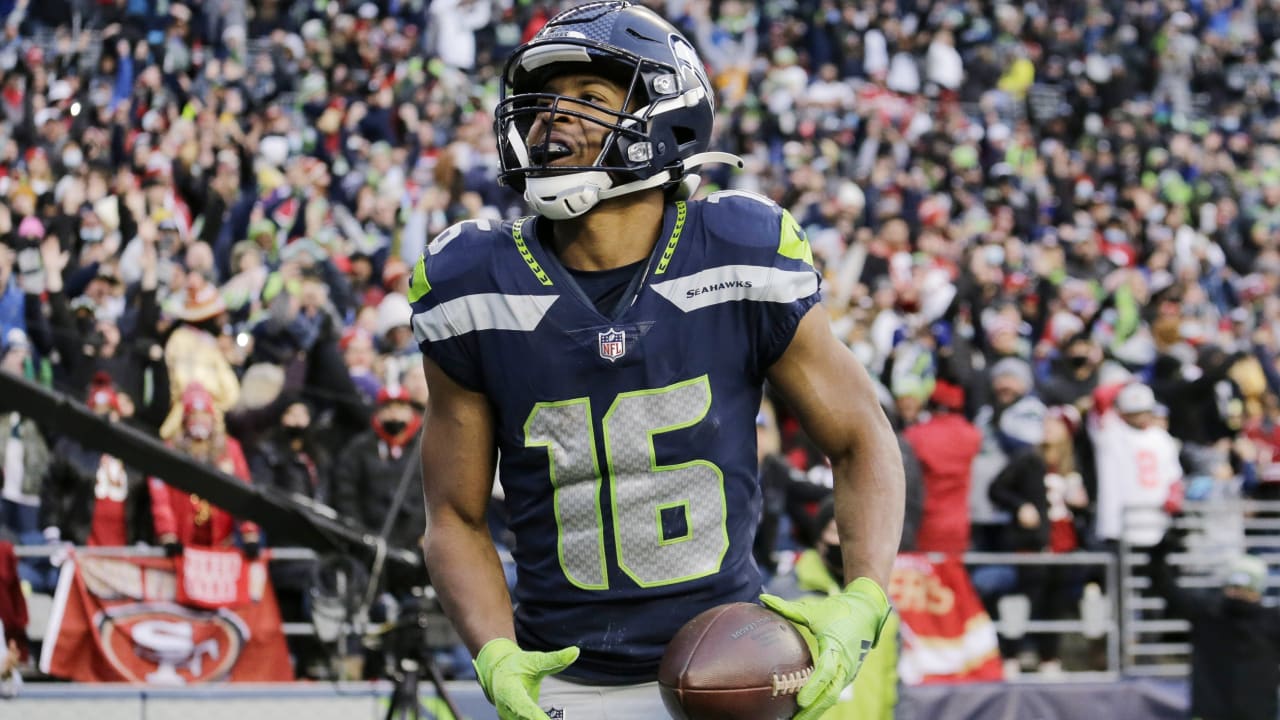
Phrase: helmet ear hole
(684, 135)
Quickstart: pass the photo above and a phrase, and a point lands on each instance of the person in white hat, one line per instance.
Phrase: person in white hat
(1138, 471)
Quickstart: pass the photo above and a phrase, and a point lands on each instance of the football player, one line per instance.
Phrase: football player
(606, 356)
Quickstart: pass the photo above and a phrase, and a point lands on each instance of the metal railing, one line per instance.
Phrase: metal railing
(1154, 643)
(1109, 626)
(1141, 640)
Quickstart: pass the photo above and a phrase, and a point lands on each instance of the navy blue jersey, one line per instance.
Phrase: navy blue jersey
(626, 435)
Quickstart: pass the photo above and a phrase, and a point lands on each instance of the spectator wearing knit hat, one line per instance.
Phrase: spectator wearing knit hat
(186, 519)
(1235, 639)
(1010, 402)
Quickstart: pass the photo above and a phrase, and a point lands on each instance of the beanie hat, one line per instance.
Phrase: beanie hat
(394, 311)
(1013, 367)
(196, 399)
(1248, 572)
(947, 395)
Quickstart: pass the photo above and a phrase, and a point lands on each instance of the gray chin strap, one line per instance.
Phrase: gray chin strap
(563, 197)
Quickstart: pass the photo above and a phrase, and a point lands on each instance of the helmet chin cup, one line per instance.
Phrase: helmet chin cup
(563, 197)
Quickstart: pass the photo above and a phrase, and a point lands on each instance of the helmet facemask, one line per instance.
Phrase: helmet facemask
(643, 145)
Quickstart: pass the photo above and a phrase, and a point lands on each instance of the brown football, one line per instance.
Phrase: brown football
(734, 662)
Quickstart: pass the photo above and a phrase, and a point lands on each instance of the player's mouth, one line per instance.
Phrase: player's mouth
(555, 148)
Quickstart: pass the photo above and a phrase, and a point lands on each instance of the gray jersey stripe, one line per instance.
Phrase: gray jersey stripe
(729, 283)
(482, 311)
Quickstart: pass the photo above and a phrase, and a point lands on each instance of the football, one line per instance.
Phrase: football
(734, 662)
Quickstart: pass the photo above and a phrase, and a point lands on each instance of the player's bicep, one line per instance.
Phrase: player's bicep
(458, 452)
(828, 388)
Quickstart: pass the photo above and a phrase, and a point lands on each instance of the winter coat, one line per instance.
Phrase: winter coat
(365, 480)
(275, 464)
(184, 515)
(945, 445)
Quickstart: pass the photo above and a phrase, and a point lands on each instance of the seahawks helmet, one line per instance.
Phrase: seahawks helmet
(660, 135)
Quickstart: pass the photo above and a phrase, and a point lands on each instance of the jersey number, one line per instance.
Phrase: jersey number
(647, 499)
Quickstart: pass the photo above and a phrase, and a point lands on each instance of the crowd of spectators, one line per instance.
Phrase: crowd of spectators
(1034, 220)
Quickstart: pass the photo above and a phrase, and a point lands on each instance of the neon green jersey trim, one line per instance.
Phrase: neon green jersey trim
(517, 234)
(681, 213)
(792, 242)
(418, 286)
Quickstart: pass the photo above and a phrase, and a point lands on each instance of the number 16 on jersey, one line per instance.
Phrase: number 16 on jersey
(668, 520)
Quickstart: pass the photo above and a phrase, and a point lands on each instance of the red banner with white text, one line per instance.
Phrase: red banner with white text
(947, 635)
(119, 619)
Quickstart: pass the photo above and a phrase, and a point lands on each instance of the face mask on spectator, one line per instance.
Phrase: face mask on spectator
(92, 235)
(71, 159)
(294, 432)
(199, 430)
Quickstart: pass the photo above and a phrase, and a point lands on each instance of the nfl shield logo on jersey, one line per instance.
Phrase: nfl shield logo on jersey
(613, 344)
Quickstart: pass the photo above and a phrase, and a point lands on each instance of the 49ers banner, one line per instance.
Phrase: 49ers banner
(947, 635)
(118, 619)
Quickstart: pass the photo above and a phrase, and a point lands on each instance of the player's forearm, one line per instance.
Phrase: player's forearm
(467, 575)
(870, 491)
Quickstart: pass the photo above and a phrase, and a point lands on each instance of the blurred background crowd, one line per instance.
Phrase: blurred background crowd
(1042, 226)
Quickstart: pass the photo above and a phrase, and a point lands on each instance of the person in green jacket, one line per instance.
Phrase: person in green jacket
(818, 572)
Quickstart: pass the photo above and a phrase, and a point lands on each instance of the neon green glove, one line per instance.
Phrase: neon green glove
(511, 677)
(846, 626)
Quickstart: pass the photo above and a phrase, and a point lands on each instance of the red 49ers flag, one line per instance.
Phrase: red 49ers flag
(119, 619)
(947, 635)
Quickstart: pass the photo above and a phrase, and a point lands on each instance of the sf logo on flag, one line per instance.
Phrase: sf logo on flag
(613, 344)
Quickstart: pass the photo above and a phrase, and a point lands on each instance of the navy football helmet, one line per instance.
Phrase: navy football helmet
(660, 135)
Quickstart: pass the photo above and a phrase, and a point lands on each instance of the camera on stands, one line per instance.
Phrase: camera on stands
(409, 624)
(419, 625)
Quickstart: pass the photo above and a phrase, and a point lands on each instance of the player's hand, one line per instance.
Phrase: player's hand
(512, 677)
(846, 626)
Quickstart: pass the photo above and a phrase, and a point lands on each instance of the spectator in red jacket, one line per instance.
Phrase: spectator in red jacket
(183, 519)
(946, 444)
